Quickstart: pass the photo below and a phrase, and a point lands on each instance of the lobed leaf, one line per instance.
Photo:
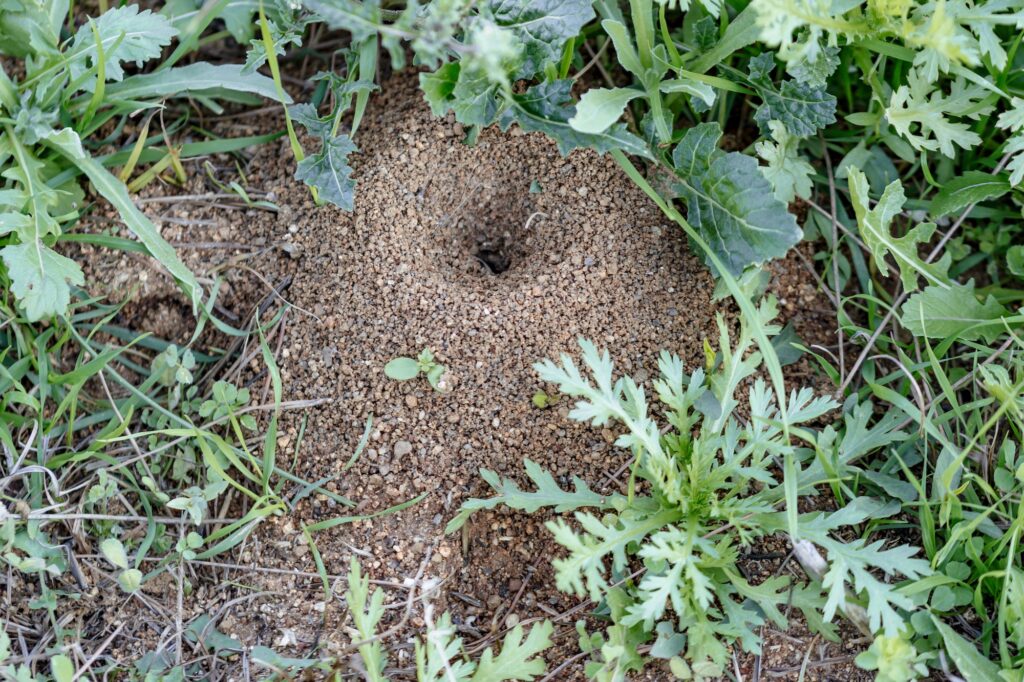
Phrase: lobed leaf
(730, 203)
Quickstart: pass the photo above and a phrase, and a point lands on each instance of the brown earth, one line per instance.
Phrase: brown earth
(583, 254)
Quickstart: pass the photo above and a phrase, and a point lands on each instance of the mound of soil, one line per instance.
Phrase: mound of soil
(494, 256)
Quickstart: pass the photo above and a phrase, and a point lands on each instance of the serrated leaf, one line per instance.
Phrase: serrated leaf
(803, 108)
(787, 171)
(40, 279)
(600, 108)
(519, 658)
(125, 35)
(547, 108)
(730, 202)
(548, 494)
(876, 231)
(942, 313)
(970, 188)
(969, 661)
(328, 171)
(542, 26)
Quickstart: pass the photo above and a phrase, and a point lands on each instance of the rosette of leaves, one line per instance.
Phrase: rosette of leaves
(662, 556)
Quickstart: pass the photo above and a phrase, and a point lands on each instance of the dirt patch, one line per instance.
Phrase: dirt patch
(494, 256)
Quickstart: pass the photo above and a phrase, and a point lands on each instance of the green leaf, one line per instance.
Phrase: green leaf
(600, 108)
(438, 87)
(200, 77)
(548, 494)
(114, 552)
(40, 279)
(970, 188)
(125, 35)
(624, 49)
(942, 313)
(402, 369)
(875, 229)
(542, 26)
(130, 580)
(969, 661)
(1015, 260)
(547, 108)
(803, 108)
(519, 658)
(114, 191)
(62, 668)
(730, 203)
(787, 171)
(361, 19)
(474, 98)
(328, 171)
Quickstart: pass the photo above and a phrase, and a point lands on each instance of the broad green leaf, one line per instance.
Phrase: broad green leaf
(402, 369)
(955, 312)
(62, 668)
(600, 108)
(969, 661)
(438, 87)
(542, 26)
(970, 188)
(1015, 260)
(125, 35)
(328, 171)
(200, 77)
(804, 109)
(519, 658)
(474, 98)
(730, 202)
(876, 231)
(40, 279)
(547, 108)
(114, 191)
(114, 552)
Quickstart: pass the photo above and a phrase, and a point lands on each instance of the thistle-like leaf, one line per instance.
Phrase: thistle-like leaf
(548, 494)
(876, 230)
(121, 34)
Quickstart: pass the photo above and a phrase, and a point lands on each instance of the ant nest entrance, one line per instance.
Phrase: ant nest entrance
(495, 239)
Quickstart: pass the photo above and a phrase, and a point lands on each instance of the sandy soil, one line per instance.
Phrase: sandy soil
(494, 257)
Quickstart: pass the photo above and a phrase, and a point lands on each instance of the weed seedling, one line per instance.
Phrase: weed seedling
(404, 369)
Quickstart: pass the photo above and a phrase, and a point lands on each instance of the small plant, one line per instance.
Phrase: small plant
(662, 557)
(406, 369)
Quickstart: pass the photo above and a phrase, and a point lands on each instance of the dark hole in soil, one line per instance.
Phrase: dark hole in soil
(494, 254)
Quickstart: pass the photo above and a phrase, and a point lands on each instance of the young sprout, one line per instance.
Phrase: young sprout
(404, 369)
